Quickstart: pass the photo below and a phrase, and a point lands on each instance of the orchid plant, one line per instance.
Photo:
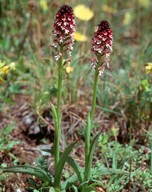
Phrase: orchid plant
(63, 41)
(101, 47)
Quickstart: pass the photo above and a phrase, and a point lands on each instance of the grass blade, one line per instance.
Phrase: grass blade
(69, 182)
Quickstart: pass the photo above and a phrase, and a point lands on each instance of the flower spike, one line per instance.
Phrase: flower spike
(102, 45)
(64, 26)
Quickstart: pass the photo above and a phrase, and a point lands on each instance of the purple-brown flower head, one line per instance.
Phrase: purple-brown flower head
(102, 43)
(64, 26)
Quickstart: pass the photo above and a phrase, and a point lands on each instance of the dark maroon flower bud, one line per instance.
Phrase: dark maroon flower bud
(102, 44)
(64, 26)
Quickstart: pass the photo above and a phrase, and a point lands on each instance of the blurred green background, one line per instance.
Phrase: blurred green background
(28, 83)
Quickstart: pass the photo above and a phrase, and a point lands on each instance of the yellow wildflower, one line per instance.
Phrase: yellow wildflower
(148, 68)
(108, 9)
(69, 69)
(43, 5)
(83, 13)
(79, 37)
(144, 3)
(127, 18)
(4, 70)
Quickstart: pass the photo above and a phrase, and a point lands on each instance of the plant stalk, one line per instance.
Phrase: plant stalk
(89, 126)
(151, 155)
(57, 128)
(94, 95)
(87, 146)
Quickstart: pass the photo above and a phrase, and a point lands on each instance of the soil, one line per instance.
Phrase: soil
(33, 132)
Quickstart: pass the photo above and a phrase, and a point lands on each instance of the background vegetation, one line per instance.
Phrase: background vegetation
(28, 75)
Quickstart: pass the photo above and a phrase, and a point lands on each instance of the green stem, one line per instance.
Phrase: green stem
(94, 95)
(151, 156)
(87, 146)
(57, 128)
(89, 126)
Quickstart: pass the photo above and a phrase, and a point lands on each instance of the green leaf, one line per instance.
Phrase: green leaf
(97, 183)
(75, 188)
(69, 182)
(61, 163)
(88, 189)
(90, 157)
(78, 170)
(109, 171)
(114, 160)
(27, 169)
